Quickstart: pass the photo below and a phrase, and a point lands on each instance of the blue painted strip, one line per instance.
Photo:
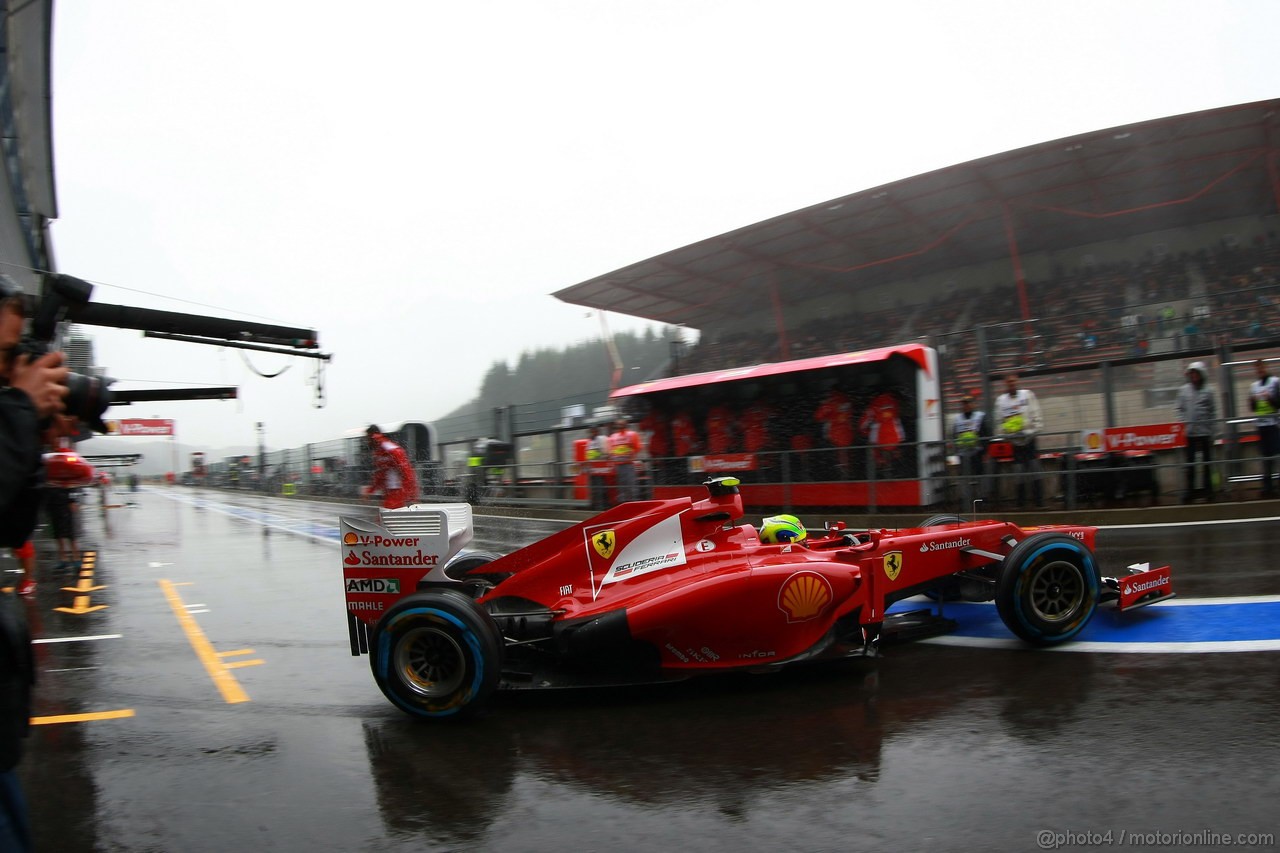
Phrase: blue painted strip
(1159, 623)
(301, 527)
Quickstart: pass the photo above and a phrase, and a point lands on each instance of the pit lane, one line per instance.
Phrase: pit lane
(954, 748)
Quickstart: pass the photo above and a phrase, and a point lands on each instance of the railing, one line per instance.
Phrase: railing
(1069, 476)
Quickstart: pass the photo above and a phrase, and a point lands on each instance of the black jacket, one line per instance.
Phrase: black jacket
(20, 467)
(20, 475)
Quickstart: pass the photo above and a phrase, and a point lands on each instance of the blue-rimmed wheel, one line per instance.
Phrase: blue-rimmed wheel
(436, 654)
(1048, 588)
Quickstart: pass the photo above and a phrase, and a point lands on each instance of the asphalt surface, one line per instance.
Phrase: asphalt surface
(197, 693)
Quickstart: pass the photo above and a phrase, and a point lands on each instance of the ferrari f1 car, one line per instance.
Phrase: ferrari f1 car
(666, 589)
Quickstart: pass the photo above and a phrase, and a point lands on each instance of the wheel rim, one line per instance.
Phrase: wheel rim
(430, 662)
(1057, 591)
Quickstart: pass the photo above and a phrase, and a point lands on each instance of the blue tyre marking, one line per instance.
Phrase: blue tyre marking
(1091, 579)
(384, 655)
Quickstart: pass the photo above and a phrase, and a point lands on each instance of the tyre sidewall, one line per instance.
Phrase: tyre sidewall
(1017, 577)
(457, 617)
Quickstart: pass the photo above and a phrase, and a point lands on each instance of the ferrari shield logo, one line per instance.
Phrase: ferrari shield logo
(603, 542)
(893, 564)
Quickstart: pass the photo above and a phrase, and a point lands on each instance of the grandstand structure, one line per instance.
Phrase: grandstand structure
(1094, 265)
(28, 201)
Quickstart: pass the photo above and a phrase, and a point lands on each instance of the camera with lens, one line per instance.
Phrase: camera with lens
(61, 298)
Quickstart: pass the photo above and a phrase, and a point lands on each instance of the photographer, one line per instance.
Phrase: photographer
(30, 390)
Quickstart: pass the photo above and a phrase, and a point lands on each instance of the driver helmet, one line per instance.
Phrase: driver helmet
(781, 528)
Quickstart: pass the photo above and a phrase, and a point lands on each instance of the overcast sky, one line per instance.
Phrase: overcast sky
(414, 179)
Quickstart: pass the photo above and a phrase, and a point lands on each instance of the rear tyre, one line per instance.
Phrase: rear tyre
(436, 655)
(1047, 590)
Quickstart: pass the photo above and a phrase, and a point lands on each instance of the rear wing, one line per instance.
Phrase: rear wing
(385, 560)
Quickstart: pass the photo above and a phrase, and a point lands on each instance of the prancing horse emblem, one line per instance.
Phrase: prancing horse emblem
(893, 564)
(603, 542)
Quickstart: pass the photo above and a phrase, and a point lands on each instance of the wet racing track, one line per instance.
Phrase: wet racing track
(197, 693)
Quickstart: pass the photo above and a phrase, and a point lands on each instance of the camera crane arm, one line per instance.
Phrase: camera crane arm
(65, 297)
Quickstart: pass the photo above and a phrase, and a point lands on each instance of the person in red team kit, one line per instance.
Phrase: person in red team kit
(625, 448)
(393, 475)
(836, 416)
(720, 428)
(882, 425)
(654, 433)
(684, 436)
(757, 423)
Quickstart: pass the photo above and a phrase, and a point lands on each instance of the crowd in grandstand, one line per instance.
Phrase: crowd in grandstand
(1092, 313)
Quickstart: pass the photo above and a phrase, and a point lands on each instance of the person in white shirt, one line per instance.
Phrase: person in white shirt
(970, 434)
(1264, 399)
(1019, 420)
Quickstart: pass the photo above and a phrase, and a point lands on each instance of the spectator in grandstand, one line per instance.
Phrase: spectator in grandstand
(1264, 395)
(970, 433)
(1190, 334)
(1018, 413)
(597, 469)
(624, 449)
(1195, 407)
(393, 475)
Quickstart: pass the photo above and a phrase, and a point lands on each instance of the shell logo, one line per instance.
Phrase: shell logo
(804, 596)
(350, 539)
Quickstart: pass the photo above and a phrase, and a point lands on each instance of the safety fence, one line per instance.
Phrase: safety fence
(1063, 474)
(1110, 435)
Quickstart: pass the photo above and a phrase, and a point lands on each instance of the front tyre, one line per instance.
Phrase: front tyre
(1047, 590)
(436, 655)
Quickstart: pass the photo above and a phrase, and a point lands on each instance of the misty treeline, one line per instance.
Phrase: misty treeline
(582, 368)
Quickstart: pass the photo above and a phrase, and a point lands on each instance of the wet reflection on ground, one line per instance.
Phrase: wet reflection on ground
(928, 748)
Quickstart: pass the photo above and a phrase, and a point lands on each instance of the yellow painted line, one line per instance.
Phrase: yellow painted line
(226, 683)
(236, 652)
(236, 664)
(81, 604)
(82, 718)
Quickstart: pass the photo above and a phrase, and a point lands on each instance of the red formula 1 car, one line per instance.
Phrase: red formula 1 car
(660, 590)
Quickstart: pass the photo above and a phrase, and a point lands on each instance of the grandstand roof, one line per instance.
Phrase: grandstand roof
(1095, 187)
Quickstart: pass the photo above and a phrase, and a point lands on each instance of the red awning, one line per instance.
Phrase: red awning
(915, 352)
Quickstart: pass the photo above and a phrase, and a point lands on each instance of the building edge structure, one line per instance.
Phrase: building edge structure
(28, 200)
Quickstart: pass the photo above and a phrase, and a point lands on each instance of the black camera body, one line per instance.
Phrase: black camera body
(61, 298)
